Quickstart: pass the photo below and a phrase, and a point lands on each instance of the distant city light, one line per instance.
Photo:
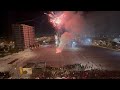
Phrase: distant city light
(87, 41)
(74, 44)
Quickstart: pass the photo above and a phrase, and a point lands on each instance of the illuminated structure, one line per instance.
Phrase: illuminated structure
(57, 39)
(23, 35)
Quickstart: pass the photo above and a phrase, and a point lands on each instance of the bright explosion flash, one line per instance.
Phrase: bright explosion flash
(58, 50)
(70, 23)
(56, 19)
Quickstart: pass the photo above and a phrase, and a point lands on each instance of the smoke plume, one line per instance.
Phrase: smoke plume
(73, 24)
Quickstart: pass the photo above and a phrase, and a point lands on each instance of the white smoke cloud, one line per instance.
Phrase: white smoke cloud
(64, 40)
(73, 24)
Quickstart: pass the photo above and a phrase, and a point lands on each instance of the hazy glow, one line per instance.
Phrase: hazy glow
(70, 21)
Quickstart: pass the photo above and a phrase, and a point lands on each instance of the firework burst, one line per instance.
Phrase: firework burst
(56, 19)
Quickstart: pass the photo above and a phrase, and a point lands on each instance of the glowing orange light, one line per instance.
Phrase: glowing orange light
(58, 50)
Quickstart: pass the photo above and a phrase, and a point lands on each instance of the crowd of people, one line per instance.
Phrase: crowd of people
(69, 72)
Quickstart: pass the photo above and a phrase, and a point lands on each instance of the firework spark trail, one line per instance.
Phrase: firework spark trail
(56, 19)
(71, 21)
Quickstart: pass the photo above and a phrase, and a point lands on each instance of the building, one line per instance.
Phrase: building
(23, 35)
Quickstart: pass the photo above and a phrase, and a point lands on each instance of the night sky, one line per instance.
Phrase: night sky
(40, 22)
(107, 22)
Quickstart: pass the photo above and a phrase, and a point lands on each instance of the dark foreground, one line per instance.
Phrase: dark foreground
(68, 72)
(87, 62)
(60, 73)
